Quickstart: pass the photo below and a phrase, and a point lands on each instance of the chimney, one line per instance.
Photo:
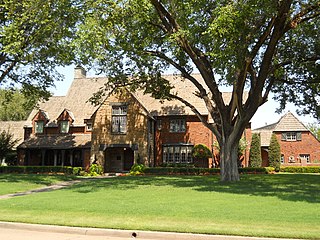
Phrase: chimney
(79, 72)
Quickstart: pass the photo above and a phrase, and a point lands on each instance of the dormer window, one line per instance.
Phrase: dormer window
(119, 119)
(38, 126)
(64, 126)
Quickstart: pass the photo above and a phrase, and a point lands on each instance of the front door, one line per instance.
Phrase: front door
(118, 159)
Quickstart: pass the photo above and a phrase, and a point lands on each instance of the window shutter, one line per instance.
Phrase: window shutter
(299, 136)
(283, 136)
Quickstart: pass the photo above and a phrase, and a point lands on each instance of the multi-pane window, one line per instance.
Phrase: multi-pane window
(177, 125)
(282, 159)
(119, 119)
(305, 157)
(177, 154)
(291, 136)
(64, 126)
(38, 126)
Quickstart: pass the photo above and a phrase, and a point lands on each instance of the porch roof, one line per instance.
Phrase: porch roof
(57, 142)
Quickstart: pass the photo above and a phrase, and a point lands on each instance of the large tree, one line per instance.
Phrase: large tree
(252, 45)
(35, 38)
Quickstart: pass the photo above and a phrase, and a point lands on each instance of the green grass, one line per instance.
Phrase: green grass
(13, 183)
(284, 205)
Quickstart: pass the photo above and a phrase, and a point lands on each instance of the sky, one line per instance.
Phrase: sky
(264, 116)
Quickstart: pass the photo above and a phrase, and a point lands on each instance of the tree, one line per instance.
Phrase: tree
(274, 153)
(255, 159)
(7, 142)
(35, 38)
(14, 106)
(315, 129)
(258, 46)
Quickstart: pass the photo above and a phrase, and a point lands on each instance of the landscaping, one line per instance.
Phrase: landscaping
(269, 205)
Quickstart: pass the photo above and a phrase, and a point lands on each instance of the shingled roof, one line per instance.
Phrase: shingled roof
(287, 123)
(15, 128)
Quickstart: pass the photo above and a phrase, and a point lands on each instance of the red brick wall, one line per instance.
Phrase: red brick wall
(308, 145)
(195, 133)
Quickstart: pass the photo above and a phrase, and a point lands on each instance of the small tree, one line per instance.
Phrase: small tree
(7, 142)
(255, 159)
(201, 153)
(274, 153)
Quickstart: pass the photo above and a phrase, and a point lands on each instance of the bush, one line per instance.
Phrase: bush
(297, 169)
(41, 169)
(201, 151)
(255, 159)
(137, 169)
(95, 170)
(274, 154)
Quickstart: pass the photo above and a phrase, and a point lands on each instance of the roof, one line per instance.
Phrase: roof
(58, 141)
(15, 128)
(287, 123)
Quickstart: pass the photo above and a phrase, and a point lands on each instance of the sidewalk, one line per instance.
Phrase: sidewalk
(23, 231)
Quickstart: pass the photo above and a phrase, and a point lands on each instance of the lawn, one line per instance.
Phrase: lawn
(284, 205)
(13, 183)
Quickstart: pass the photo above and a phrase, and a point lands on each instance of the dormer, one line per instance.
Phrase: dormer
(65, 119)
(39, 121)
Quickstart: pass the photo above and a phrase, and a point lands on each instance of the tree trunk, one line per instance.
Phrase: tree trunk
(229, 161)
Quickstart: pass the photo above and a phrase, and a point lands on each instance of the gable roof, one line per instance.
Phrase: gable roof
(287, 123)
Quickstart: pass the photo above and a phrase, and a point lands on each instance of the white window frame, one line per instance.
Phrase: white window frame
(64, 126)
(175, 154)
(305, 156)
(291, 136)
(39, 127)
(119, 119)
(177, 125)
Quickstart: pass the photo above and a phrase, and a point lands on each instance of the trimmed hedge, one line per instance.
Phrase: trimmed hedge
(201, 171)
(41, 169)
(297, 169)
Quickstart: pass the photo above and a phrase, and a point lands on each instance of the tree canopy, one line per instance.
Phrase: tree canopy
(35, 37)
(254, 46)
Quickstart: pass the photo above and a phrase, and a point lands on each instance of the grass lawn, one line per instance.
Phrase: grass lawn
(13, 183)
(282, 205)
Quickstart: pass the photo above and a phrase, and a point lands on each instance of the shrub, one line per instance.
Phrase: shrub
(201, 151)
(95, 170)
(41, 169)
(255, 159)
(137, 169)
(298, 169)
(274, 154)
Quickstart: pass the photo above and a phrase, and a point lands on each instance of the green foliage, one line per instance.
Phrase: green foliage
(315, 129)
(201, 151)
(35, 39)
(7, 143)
(95, 170)
(137, 169)
(274, 154)
(255, 159)
(298, 169)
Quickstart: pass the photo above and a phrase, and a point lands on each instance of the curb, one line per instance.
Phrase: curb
(122, 233)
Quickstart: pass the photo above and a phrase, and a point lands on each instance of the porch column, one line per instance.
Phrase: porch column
(43, 153)
(55, 159)
(62, 157)
(71, 158)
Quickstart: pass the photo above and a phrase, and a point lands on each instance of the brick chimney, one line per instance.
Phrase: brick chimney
(80, 72)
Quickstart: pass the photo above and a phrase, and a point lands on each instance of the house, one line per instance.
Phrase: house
(299, 147)
(126, 128)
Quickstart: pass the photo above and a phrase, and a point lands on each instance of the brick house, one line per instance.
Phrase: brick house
(299, 147)
(124, 129)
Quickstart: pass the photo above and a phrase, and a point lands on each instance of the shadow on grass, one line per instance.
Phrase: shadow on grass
(289, 187)
(42, 179)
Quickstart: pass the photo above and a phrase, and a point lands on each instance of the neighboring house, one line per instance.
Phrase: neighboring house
(299, 147)
(126, 128)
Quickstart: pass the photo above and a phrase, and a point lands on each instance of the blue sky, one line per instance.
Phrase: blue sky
(265, 114)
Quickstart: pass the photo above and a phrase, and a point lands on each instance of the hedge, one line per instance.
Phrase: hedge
(41, 169)
(297, 169)
(200, 171)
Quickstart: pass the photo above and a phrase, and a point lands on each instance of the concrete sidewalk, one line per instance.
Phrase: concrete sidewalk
(23, 231)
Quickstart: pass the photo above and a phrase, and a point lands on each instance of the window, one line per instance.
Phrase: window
(305, 157)
(177, 125)
(119, 119)
(291, 136)
(64, 126)
(89, 126)
(177, 154)
(282, 159)
(38, 126)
